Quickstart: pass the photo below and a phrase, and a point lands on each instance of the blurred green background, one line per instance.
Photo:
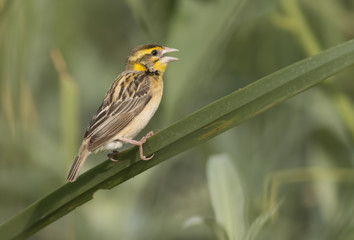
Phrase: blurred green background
(58, 59)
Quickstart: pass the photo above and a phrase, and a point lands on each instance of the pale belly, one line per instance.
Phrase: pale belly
(113, 145)
(136, 125)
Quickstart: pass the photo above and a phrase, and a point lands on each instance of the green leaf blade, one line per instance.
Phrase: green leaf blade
(195, 129)
(226, 195)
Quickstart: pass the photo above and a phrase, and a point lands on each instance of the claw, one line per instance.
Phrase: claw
(149, 134)
(146, 158)
(111, 155)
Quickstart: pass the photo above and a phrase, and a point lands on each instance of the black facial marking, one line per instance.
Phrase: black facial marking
(154, 52)
(156, 73)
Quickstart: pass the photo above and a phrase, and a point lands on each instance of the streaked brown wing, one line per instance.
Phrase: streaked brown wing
(117, 111)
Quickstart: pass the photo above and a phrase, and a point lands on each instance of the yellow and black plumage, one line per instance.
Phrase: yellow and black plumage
(128, 105)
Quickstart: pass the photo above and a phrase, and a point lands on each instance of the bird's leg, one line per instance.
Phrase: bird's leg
(113, 154)
(139, 144)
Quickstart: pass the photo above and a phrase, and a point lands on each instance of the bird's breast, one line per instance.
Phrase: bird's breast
(142, 119)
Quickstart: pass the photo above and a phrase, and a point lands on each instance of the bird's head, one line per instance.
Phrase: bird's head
(149, 58)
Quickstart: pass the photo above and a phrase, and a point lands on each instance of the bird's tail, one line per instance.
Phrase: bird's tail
(79, 160)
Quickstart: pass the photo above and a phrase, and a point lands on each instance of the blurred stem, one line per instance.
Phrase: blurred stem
(8, 106)
(68, 106)
(60, 64)
(274, 181)
(7, 98)
(303, 32)
(295, 22)
(29, 117)
(343, 104)
(4, 8)
(216, 32)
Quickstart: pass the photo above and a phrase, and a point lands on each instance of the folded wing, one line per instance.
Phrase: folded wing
(127, 98)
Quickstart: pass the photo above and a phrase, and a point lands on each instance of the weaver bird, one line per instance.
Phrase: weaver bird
(127, 107)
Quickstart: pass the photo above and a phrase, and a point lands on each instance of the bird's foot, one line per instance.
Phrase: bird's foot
(139, 144)
(112, 155)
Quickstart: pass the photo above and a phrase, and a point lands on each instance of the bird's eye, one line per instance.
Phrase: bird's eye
(153, 52)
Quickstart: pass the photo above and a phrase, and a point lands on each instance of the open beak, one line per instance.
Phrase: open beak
(168, 59)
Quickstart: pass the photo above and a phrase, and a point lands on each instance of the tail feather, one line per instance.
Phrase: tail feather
(79, 161)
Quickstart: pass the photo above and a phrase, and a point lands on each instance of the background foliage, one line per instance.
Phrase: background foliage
(58, 58)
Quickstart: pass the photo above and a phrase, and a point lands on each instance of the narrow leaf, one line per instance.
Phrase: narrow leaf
(226, 195)
(260, 221)
(197, 128)
(218, 230)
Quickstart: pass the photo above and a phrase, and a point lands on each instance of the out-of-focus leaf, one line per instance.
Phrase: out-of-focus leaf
(153, 16)
(201, 40)
(257, 224)
(218, 230)
(68, 106)
(195, 129)
(226, 195)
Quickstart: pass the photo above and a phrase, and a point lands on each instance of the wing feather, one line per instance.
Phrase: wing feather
(127, 98)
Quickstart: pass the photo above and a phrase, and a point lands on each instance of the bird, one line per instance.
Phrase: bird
(128, 106)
